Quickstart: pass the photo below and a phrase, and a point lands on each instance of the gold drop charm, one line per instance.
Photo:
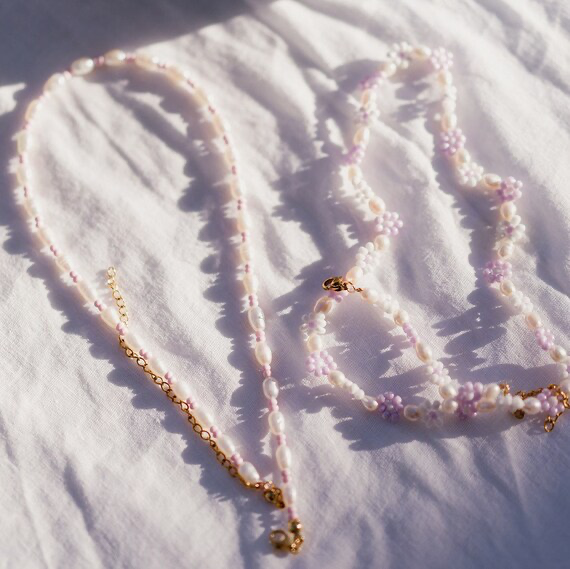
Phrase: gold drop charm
(291, 540)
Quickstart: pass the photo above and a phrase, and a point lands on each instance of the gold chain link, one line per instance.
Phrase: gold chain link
(290, 540)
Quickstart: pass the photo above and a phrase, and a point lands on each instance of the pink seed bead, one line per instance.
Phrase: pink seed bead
(26, 192)
(99, 61)
(266, 370)
(281, 440)
(99, 305)
(168, 376)
(121, 329)
(214, 430)
(291, 513)
(54, 250)
(285, 476)
(237, 459)
(273, 405)
(234, 170)
(191, 402)
(38, 222)
(260, 336)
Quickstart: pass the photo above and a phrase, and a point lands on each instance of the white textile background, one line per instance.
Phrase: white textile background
(97, 469)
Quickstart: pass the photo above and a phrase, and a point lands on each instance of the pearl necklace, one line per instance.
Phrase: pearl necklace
(177, 391)
(470, 399)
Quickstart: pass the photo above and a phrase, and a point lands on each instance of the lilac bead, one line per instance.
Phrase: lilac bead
(451, 141)
(509, 190)
(497, 271)
(389, 223)
(441, 59)
(390, 406)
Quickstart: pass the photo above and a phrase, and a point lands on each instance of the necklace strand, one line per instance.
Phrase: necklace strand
(470, 399)
(177, 391)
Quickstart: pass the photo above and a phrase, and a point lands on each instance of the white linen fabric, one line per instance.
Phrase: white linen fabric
(97, 469)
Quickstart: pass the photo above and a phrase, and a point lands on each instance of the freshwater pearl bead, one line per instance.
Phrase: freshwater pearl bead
(31, 110)
(401, 317)
(517, 403)
(183, 391)
(314, 343)
(337, 378)
(565, 386)
(377, 206)
(505, 250)
(324, 305)
(507, 287)
(115, 57)
(369, 403)
(289, 494)
(248, 472)
(421, 53)
(423, 352)
(532, 406)
(362, 136)
(270, 388)
(276, 421)
(486, 406)
(412, 412)
(147, 62)
(370, 295)
(263, 353)
(508, 210)
(492, 391)
(55, 81)
(31, 208)
(449, 406)
(250, 283)
(449, 121)
(226, 445)
(284, 457)
(381, 242)
(22, 175)
(236, 189)
(492, 181)
(86, 292)
(110, 317)
(203, 417)
(558, 354)
(387, 69)
(22, 141)
(82, 66)
(256, 318)
(533, 320)
(245, 252)
(447, 391)
(243, 220)
(44, 236)
(354, 274)
(62, 263)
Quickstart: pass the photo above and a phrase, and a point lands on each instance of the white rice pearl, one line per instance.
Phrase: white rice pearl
(369, 403)
(263, 353)
(31, 110)
(517, 403)
(110, 317)
(256, 318)
(177, 75)
(361, 136)
(245, 252)
(248, 472)
(387, 69)
(370, 295)
(421, 53)
(270, 388)
(356, 392)
(289, 494)
(55, 81)
(22, 141)
(533, 320)
(507, 287)
(82, 66)
(447, 391)
(324, 304)
(276, 421)
(486, 405)
(506, 249)
(314, 343)
(424, 352)
(115, 57)
(558, 354)
(532, 406)
(445, 78)
(565, 386)
(226, 445)
(492, 181)
(354, 274)
(183, 390)
(367, 96)
(284, 457)
(31, 208)
(462, 156)
(62, 263)
(22, 175)
(337, 378)
(353, 172)
(133, 341)
(250, 283)
(449, 406)
(401, 317)
(236, 188)
(449, 121)
(243, 220)
(412, 412)
(492, 391)
(86, 292)
(145, 61)
(508, 210)
(157, 365)
(448, 105)
(382, 242)
(203, 417)
(377, 206)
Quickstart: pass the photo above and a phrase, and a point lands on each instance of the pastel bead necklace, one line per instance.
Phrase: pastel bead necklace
(117, 318)
(461, 401)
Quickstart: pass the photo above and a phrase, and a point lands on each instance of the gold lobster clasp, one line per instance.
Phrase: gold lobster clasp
(338, 284)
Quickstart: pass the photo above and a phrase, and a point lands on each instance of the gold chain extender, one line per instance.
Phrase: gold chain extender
(283, 540)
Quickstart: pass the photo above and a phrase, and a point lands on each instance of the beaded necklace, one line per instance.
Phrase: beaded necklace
(469, 399)
(117, 318)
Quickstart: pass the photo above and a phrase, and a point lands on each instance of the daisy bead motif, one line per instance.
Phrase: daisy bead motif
(497, 271)
(389, 223)
(441, 59)
(430, 413)
(315, 322)
(469, 174)
(451, 141)
(513, 230)
(400, 55)
(509, 190)
(545, 338)
(550, 402)
(467, 397)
